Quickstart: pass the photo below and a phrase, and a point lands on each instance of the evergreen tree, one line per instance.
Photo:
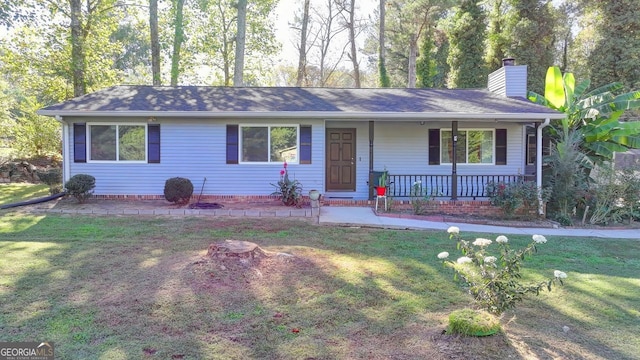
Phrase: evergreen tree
(466, 46)
(529, 31)
(425, 65)
(496, 41)
(616, 56)
(441, 70)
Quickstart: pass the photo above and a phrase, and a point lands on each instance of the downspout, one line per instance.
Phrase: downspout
(539, 163)
(66, 167)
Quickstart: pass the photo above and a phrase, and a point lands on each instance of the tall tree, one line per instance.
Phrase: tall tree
(566, 13)
(78, 59)
(81, 27)
(441, 71)
(326, 33)
(529, 32)
(155, 43)
(347, 10)
(214, 27)
(466, 46)
(241, 23)
(408, 20)
(617, 53)
(425, 65)
(16, 11)
(383, 75)
(302, 50)
(178, 38)
(584, 40)
(496, 40)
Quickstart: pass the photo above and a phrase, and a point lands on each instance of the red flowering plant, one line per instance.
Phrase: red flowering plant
(289, 191)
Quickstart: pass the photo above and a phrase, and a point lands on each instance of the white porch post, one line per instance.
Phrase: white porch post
(539, 162)
(66, 166)
(371, 139)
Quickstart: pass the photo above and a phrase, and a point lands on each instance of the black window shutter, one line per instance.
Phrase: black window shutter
(434, 146)
(501, 146)
(232, 144)
(80, 143)
(153, 141)
(305, 144)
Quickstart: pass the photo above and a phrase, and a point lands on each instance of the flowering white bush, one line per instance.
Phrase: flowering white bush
(559, 274)
(539, 239)
(482, 242)
(494, 281)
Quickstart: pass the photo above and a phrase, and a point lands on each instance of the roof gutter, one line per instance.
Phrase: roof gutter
(525, 117)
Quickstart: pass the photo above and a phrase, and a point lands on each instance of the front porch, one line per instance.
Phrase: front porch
(443, 186)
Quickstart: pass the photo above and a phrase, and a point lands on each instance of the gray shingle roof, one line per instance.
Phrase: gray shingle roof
(325, 102)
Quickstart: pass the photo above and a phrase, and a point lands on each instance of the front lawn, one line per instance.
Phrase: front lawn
(16, 192)
(138, 287)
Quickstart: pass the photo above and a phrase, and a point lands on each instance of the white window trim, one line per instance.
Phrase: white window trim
(493, 147)
(116, 161)
(269, 126)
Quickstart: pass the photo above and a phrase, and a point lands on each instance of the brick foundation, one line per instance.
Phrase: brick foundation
(440, 207)
(457, 207)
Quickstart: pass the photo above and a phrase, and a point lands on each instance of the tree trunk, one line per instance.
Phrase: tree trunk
(77, 49)
(382, 66)
(155, 42)
(352, 39)
(177, 42)
(240, 41)
(413, 53)
(302, 59)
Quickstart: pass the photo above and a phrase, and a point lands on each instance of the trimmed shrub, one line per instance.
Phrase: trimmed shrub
(53, 178)
(81, 187)
(178, 190)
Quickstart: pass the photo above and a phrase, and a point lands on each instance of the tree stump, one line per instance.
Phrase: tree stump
(235, 248)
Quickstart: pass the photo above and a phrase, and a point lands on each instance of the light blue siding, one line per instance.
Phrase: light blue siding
(403, 148)
(196, 148)
(509, 81)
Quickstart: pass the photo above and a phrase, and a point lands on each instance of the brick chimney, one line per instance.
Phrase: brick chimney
(510, 80)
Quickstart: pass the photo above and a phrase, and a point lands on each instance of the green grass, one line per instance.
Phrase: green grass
(129, 287)
(16, 192)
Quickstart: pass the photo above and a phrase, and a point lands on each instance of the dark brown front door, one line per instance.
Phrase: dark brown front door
(341, 160)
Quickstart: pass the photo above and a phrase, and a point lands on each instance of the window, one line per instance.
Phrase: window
(269, 144)
(473, 147)
(118, 143)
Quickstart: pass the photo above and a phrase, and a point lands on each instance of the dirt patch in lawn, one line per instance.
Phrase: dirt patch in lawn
(235, 272)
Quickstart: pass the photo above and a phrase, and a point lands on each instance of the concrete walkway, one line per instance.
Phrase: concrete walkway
(364, 216)
(339, 215)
